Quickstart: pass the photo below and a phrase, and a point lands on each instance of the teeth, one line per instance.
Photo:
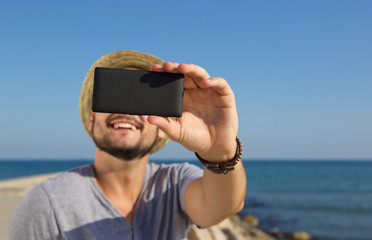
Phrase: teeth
(124, 125)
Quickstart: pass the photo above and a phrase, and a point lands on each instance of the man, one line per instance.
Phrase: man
(122, 195)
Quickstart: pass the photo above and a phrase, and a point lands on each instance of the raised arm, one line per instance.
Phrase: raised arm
(209, 127)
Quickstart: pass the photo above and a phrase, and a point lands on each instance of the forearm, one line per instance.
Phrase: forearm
(224, 194)
(217, 196)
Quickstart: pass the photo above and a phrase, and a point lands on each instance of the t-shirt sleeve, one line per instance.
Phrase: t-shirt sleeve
(188, 173)
(34, 218)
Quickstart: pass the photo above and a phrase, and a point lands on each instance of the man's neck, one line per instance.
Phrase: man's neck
(120, 181)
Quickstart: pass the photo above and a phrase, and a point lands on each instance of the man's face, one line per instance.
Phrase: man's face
(123, 136)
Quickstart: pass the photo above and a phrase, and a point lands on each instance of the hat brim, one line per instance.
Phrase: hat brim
(120, 59)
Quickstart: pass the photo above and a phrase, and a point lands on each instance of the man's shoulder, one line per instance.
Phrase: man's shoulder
(69, 180)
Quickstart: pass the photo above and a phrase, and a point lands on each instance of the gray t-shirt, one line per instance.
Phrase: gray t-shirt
(71, 206)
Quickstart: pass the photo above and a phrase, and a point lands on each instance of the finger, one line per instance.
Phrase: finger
(193, 75)
(157, 68)
(171, 67)
(219, 84)
(193, 71)
(189, 83)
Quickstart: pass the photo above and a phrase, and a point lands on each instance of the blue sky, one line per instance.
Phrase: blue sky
(301, 70)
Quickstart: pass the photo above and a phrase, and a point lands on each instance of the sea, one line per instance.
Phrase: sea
(329, 199)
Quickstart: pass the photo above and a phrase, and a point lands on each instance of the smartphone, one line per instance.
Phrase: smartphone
(137, 92)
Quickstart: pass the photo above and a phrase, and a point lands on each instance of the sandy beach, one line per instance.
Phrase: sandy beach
(11, 192)
(7, 205)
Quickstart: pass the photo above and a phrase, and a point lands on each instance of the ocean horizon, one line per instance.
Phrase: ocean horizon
(329, 199)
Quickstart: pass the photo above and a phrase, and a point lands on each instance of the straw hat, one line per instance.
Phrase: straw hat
(120, 59)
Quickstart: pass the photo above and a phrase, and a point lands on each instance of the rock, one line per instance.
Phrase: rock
(278, 235)
(210, 233)
(300, 236)
(232, 228)
(251, 220)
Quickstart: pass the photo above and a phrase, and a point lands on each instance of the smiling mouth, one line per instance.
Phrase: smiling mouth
(120, 122)
(123, 125)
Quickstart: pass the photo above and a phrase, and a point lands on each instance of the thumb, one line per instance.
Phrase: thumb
(169, 126)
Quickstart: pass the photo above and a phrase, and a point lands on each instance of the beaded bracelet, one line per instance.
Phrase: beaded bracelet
(226, 166)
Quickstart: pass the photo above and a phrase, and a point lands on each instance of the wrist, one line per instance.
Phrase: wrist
(223, 153)
(223, 166)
